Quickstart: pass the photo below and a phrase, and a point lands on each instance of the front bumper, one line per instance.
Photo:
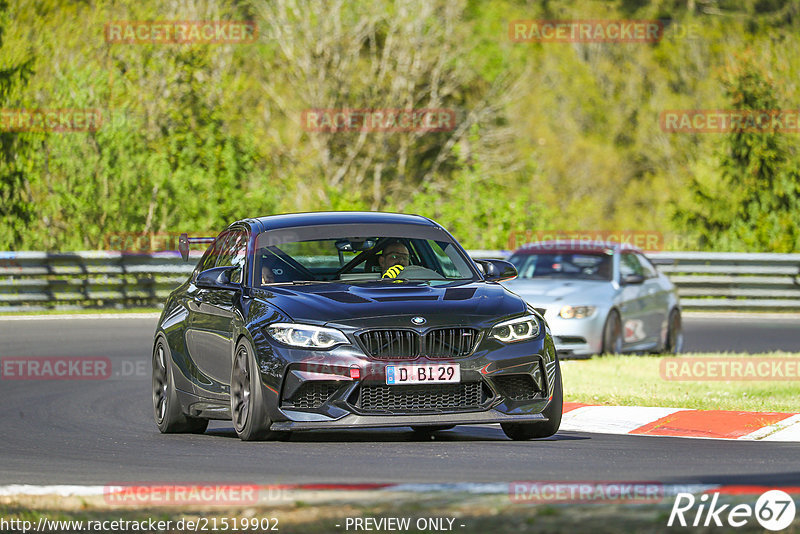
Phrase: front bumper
(576, 337)
(312, 389)
(364, 421)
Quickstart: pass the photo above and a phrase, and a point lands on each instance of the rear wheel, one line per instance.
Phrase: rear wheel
(167, 410)
(612, 334)
(674, 342)
(523, 431)
(248, 410)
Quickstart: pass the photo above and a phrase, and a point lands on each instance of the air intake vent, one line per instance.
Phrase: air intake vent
(459, 293)
(312, 394)
(518, 387)
(344, 297)
(421, 398)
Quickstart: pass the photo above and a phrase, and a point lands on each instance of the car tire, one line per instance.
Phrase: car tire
(612, 334)
(167, 410)
(248, 409)
(431, 429)
(674, 341)
(553, 412)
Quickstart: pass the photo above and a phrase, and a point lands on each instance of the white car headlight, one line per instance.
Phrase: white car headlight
(305, 335)
(576, 312)
(516, 329)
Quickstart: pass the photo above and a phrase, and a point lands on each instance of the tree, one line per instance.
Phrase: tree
(406, 54)
(754, 204)
(16, 208)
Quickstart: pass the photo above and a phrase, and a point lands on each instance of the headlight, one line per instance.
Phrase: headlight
(516, 329)
(304, 335)
(576, 312)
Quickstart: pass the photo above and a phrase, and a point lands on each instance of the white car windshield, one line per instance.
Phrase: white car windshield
(580, 265)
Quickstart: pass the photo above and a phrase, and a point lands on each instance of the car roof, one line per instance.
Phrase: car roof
(574, 245)
(293, 220)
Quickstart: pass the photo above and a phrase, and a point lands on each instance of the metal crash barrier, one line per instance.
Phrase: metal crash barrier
(31, 281)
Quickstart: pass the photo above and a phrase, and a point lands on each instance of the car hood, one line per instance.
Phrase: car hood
(545, 291)
(373, 303)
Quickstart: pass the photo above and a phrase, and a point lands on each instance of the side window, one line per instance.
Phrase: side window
(232, 253)
(628, 264)
(238, 256)
(210, 256)
(648, 269)
(448, 268)
(229, 249)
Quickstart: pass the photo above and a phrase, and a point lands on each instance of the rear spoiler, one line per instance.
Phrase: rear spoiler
(184, 241)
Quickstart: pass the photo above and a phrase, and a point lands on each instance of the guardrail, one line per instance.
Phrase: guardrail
(75, 280)
(725, 280)
(32, 281)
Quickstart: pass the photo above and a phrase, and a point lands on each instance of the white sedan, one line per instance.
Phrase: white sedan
(599, 297)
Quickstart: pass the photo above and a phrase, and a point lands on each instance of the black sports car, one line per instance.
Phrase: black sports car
(351, 319)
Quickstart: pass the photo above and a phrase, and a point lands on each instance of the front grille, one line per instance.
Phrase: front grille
(450, 342)
(518, 387)
(421, 397)
(408, 344)
(391, 344)
(312, 394)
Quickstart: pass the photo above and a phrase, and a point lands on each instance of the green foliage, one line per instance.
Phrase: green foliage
(479, 206)
(548, 135)
(753, 202)
(16, 209)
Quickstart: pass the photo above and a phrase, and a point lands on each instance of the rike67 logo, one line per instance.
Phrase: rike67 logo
(774, 510)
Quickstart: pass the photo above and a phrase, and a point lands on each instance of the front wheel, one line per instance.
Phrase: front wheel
(612, 334)
(248, 410)
(553, 412)
(167, 410)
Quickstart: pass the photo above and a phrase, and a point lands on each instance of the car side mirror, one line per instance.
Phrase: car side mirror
(632, 279)
(216, 278)
(497, 270)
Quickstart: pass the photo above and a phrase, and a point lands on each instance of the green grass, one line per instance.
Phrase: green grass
(637, 381)
(82, 311)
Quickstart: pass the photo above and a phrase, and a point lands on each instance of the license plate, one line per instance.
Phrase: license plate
(418, 374)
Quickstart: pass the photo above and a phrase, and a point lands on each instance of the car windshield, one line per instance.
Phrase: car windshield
(359, 259)
(582, 265)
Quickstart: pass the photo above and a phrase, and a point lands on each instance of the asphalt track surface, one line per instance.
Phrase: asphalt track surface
(102, 431)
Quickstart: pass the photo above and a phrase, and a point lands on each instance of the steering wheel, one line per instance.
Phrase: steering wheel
(416, 272)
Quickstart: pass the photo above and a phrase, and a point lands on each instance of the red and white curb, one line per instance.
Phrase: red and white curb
(681, 422)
